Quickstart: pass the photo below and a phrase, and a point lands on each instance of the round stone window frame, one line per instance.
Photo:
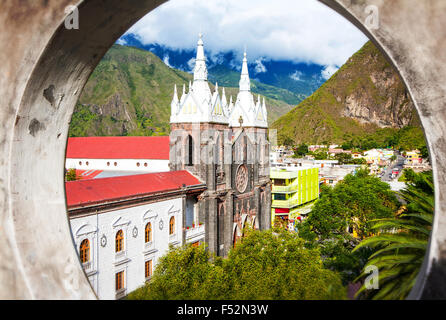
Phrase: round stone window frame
(46, 70)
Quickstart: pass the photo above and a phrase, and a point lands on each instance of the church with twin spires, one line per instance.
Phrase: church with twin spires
(134, 197)
(225, 145)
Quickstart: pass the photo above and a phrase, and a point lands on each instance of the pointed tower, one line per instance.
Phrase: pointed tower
(206, 140)
(200, 86)
(199, 105)
(183, 96)
(244, 111)
(175, 104)
(245, 82)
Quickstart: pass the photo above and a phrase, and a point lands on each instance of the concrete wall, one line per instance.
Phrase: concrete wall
(44, 71)
(105, 263)
(145, 165)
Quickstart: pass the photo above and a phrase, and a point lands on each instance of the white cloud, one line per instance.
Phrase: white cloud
(296, 75)
(191, 64)
(259, 66)
(329, 71)
(166, 61)
(121, 42)
(300, 31)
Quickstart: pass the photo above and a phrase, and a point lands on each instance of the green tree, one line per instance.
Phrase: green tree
(301, 150)
(70, 175)
(344, 158)
(401, 242)
(269, 265)
(340, 219)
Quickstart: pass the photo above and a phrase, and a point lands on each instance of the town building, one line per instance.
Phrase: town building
(294, 189)
(332, 175)
(413, 157)
(102, 155)
(121, 226)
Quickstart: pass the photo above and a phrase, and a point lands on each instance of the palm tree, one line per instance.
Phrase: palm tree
(400, 243)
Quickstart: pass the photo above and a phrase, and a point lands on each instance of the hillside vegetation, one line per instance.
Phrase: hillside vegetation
(130, 92)
(364, 97)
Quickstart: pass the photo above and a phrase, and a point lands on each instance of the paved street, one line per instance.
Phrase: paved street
(397, 164)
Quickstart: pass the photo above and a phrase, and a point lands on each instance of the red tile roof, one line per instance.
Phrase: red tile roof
(87, 174)
(118, 148)
(95, 191)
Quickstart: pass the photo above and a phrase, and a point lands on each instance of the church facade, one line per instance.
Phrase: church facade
(225, 145)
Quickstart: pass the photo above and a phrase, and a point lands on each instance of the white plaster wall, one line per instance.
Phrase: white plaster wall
(121, 164)
(105, 263)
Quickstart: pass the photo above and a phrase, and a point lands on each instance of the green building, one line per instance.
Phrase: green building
(293, 193)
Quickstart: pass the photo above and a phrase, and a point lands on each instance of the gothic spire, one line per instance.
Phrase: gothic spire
(244, 83)
(200, 70)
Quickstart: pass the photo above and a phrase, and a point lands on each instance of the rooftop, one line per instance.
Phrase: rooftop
(96, 191)
(156, 148)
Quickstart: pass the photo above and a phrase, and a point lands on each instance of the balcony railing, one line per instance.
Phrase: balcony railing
(285, 203)
(193, 232)
(289, 188)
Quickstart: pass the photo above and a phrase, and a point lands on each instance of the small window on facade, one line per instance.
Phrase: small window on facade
(119, 283)
(172, 225)
(148, 269)
(119, 241)
(148, 232)
(84, 251)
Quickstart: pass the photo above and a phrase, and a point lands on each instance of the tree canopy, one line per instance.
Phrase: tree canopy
(400, 244)
(340, 219)
(264, 265)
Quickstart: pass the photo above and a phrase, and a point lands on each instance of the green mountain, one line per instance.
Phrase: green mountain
(229, 78)
(364, 97)
(130, 91)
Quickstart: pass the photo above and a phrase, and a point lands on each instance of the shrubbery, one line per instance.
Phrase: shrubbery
(265, 265)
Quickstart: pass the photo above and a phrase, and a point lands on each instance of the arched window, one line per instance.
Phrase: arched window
(190, 145)
(172, 225)
(148, 232)
(119, 240)
(84, 251)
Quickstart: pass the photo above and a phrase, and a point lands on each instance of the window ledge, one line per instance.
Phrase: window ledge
(120, 293)
(122, 261)
(150, 251)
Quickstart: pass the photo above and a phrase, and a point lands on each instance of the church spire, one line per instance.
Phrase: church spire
(200, 70)
(245, 84)
(183, 96)
(175, 102)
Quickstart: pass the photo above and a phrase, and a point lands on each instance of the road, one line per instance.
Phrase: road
(398, 163)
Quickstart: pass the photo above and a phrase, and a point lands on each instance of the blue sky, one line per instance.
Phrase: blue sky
(295, 30)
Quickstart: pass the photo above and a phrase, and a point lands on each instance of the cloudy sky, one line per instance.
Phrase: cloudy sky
(295, 30)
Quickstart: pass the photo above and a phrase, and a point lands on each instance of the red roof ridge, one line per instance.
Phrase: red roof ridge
(118, 147)
(93, 191)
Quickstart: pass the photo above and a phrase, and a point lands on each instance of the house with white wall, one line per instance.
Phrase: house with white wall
(121, 226)
(124, 154)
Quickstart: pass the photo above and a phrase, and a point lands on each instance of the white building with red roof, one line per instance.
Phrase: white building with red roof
(121, 226)
(123, 154)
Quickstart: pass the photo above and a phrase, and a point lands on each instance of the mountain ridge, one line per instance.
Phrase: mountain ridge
(130, 91)
(364, 96)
